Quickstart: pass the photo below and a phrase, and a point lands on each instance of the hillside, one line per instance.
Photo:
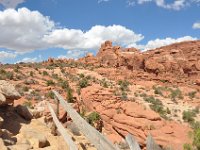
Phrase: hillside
(156, 92)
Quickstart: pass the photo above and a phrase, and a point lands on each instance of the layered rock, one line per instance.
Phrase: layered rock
(180, 60)
(123, 117)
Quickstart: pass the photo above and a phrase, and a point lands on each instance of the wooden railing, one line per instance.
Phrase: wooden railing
(94, 136)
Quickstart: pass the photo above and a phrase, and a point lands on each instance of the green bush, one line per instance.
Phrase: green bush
(176, 94)
(64, 84)
(83, 83)
(158, 90)
(124, 95)
(188, 116)
(196, 138)
(104, 83)
(192, 94)
(6, 75)
(187, 147)
(45, 73)
(93, 117)
(157, 106)
(50, 82)
(123, 85)
(50, 94)
(70, 98)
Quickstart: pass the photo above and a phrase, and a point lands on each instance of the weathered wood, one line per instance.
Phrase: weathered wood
(151, 144)
(57, 109)
(62, 130)
(95, 137)
(133, 144)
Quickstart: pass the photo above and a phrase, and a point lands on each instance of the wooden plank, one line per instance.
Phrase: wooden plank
(151, 144)
(133, 144)
(95, 137)
(62, 130)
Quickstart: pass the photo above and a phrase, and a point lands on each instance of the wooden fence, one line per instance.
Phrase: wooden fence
(94, 136)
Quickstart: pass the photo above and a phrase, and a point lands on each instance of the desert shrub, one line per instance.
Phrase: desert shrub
(6, 75)
(176, 94)
(123, 85)
(188, 116)
(28, 104)
(83, 83)
(93, 117)
(157, 106)
(45, 73)
(9, 75)
(50, 94)
(158, 90)
(64, 84)
(31, 73)
(192, 94)
(50, 67)
(70, 98)
(196, 138)
(124, 95)
(16, 69)
(81, 75)
(2, 71)
(55, 76)
(143, 95)
(187, 147)
(104, 83)
(50, 83)
(25, 89)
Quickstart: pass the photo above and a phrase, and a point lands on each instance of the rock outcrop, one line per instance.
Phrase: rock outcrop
(123, 117)
(8, 93)
(180, 60)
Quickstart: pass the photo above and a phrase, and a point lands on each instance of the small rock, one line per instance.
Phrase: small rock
(24, 112)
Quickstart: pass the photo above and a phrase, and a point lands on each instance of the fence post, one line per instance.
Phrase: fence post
(133, 144)
(57, 108)
(151, 144)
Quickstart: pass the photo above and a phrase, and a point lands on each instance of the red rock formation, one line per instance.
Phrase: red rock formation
(123, 117)
(180, 60)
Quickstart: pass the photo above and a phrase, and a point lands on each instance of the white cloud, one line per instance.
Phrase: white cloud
(23, 30)
(163, 42)
(196, 25)
(27, 60)
(92, 39)
(6, 55)
(172, 5)
(73, 54)
(175, 5)
(100, 1)
(11, 3)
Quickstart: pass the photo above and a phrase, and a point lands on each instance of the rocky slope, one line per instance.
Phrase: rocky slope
(132, 92)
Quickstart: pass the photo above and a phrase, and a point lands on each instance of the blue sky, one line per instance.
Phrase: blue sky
(33, 30)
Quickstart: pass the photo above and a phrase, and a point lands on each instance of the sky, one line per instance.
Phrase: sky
(34, 30)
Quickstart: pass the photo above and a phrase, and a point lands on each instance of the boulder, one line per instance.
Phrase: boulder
(8, 93)
(36, 139)
(24, 112)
